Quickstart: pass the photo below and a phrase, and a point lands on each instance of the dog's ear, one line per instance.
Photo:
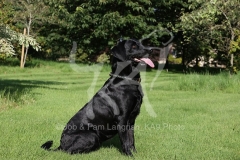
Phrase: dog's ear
(119, 51)
(130, 45)
(122, 50)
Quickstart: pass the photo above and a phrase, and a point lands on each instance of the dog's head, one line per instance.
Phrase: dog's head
(132, 51)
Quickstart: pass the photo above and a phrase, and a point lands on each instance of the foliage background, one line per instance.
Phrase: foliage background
(200, 27)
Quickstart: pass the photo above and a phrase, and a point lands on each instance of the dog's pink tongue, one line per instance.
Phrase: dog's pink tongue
(148, 61)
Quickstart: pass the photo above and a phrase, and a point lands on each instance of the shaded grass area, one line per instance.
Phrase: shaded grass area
(17, 92)
(196, 118)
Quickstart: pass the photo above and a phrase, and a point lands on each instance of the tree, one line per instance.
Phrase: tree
(6, 48)
(97, 24)
(7, 36)
(28, 12)
(213, 23)
(8, 33)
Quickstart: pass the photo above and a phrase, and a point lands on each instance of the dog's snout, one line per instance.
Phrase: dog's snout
(148, 49)
(151, 49)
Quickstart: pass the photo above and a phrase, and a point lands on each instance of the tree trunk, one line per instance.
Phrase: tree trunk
(197, 61)
(231, 61)
(231, 64)
(184, 59)
(28, 33)
(23, 48)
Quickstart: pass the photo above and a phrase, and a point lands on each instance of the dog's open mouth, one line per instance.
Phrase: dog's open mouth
(146, 61)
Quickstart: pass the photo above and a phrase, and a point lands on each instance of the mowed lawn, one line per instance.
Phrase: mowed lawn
(179, 119)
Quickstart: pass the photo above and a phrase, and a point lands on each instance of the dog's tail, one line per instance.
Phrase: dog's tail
(47, 145)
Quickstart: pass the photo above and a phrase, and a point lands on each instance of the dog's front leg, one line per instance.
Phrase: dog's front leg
(131, 123)
(126, 141)
(131, 138)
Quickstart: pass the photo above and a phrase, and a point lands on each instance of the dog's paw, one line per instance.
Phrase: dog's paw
(133, 149)
(128, 152)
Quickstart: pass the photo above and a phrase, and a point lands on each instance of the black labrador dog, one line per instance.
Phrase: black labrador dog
(114, 108)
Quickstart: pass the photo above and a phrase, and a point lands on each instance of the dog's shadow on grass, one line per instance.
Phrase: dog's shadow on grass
(112, 143)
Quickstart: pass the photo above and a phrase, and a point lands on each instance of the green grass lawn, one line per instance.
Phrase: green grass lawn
(197, 116)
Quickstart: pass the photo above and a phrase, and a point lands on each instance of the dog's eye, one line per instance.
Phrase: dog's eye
(134, 46)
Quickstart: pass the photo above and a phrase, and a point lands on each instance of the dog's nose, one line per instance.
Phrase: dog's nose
(148, 49)
(152, 48)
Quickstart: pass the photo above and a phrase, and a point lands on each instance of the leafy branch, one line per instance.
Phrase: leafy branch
(7, 36)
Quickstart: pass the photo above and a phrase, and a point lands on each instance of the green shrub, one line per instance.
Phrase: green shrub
(81, 56)
(3, 56)
(173, 60)
(103, 58)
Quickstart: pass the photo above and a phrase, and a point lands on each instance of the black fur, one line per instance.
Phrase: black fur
(112, 110)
